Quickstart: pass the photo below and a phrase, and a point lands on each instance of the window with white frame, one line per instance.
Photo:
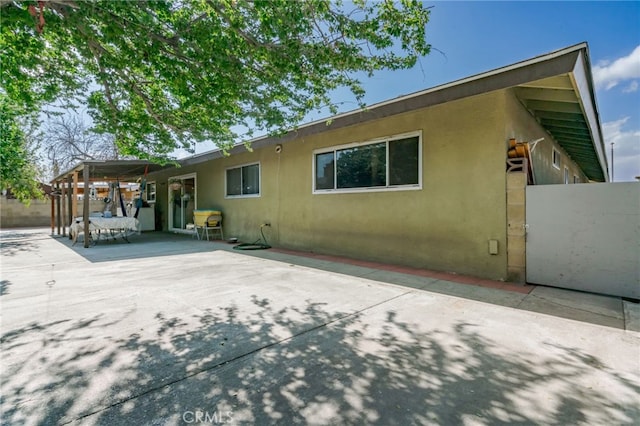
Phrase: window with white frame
(566, 175)
(556, 159)
(243, 181)
(390, 163)
(150, 192)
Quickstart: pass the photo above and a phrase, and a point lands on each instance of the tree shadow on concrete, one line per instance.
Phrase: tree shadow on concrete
(4, 287)
(299, 365)
(13, 243)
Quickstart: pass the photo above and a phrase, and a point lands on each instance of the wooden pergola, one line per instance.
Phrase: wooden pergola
(66, 186)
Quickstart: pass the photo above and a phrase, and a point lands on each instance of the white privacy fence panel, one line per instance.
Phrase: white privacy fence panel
(585, 237)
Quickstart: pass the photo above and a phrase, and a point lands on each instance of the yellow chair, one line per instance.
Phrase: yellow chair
(212, 220)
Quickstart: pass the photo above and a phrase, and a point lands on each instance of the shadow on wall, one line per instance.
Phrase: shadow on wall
(322, 368)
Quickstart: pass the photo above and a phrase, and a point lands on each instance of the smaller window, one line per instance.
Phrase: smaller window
(576, 179)
(150, 192)
(243, 181)
(556, 159)
(566, 175)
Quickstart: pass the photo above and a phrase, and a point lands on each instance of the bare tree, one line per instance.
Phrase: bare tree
(68, 140)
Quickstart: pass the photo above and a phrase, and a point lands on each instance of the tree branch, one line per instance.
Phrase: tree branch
(243, 34)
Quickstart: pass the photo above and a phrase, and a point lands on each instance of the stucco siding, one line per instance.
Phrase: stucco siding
(446, 225)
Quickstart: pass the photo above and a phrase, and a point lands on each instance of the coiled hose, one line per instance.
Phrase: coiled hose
(257, 245)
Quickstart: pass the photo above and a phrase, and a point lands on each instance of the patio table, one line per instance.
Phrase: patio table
(105, 227)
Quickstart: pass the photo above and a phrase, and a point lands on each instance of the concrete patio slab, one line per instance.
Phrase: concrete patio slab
(169, 330)
(596, 308)
(631, 312)
(405, 280)
(481, 294)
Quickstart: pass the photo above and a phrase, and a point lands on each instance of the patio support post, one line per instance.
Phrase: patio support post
(74, 205)
(70, 202)
(63, 201)
(53, 207)
(85, 205)
(58, 212)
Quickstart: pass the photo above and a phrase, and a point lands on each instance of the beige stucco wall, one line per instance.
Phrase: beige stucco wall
(446, 225)
(521, 125)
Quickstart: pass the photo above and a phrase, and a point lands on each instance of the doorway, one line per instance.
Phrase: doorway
(182, 202)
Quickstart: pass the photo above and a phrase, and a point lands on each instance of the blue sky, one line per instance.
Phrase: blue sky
(473, 37)
(479, 36)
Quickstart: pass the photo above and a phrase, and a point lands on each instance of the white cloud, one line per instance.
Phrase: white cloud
(609, 74)
(632, 87)
(626, 149)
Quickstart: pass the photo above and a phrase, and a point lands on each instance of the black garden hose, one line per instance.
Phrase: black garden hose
(257, 245)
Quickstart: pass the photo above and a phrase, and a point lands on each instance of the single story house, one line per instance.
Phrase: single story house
(425, 180)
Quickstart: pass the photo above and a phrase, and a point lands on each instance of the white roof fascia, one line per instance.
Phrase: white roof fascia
(581, 78)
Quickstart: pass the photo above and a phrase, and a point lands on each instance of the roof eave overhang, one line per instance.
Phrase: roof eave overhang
(565, 106)
(555, 108)
(558, 62)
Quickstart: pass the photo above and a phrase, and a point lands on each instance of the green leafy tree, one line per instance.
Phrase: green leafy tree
(162, 75)
(18, 170)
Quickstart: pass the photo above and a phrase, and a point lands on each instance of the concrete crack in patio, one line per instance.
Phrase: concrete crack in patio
(238, 357)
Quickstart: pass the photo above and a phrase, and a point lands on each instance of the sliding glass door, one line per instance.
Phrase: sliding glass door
(182, 202)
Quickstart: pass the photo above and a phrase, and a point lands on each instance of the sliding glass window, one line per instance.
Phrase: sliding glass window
(243, 181)
(394, 163)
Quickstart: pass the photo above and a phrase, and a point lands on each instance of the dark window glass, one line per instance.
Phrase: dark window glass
(324, 170)
(234, 181)
(403, 161)
(362, 167)
(251, 179)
